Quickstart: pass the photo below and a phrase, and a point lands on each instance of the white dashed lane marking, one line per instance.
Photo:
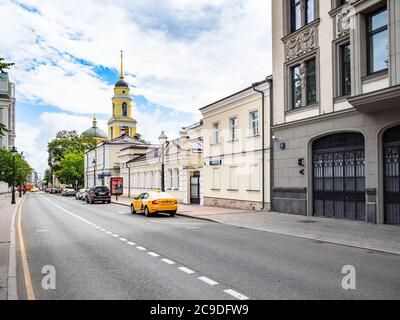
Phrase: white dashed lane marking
(208, 281)
(167, 261)
(236, 294)
(153, 254)
(186, 270)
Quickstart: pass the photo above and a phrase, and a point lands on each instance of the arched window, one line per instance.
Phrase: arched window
(113, 109)
(124, 109)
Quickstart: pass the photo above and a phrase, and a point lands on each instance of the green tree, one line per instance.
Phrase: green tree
(5, 65)
(71, 168)
(48, 176)
(3, 129)
(64, 143)
(22, 168)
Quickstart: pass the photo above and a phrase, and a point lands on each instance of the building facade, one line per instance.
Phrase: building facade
(182, 171)
(236, 154)
(336, 110)
(7, 111)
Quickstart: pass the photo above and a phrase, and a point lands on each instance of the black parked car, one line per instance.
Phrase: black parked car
(98, 194)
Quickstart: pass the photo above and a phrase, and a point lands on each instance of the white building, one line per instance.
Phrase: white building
(7, 111)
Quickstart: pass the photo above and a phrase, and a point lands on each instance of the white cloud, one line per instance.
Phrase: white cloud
(178, 73)
(180, 54)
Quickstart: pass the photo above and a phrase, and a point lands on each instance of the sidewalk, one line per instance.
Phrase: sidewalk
(6, 213)
(383, 238)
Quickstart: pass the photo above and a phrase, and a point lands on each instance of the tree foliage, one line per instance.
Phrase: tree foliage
(64, 143)
(3, 130)
(22, 168)
(71, 169)
(5, 65)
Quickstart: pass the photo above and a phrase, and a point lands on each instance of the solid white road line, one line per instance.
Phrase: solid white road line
(141, 248)
(131, 243)
(153, 254)
(208, 281)
(167, 261)
(236, 294)
(186, 270)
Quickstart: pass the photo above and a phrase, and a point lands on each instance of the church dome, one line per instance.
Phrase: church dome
(95, 132)
(121, 83)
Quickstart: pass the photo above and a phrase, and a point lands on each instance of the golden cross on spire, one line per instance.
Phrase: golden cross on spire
(121, 74)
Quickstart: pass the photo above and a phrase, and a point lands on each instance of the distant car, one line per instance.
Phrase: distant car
(84, 194)
(98, 194)
(34, 189)
(79, 194)
(64, 192)
(154, 202)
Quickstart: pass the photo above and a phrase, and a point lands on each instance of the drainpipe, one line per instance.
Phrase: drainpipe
(271, 140)
(129, 180)
(262, 144)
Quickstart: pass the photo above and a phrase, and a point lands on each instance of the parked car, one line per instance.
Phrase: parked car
(154, 202)
(98, 194)
(84, 195)
(79, 194)
(70, 192)
(34, 189)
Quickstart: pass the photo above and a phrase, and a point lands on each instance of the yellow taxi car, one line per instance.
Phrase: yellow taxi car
(154, 202)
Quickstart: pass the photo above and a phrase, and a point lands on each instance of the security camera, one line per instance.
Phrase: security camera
(274, 138)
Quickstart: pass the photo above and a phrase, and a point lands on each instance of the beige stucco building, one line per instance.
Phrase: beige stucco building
(182, 172)
(336, 110)
(234, 130)
(7, 111)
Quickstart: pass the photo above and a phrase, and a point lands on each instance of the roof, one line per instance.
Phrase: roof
(95, 133)
(236, 93)
(121, 83)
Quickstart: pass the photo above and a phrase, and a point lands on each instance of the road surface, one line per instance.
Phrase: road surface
(101, 251)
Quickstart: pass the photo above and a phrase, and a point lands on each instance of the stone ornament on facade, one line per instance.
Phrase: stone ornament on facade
(343, 21)
(300, 44)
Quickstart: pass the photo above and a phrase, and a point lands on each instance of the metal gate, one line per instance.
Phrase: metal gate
(339, 176)
(392, 175)
(195, 188)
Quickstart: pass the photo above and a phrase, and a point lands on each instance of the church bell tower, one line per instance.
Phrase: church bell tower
(121, 123)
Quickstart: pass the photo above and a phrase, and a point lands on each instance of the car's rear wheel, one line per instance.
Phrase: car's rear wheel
(132, 209)
(146, 212)
(172, 214)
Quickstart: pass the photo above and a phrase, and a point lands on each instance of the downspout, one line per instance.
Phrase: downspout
(262, 144)
(129, 180)
(271, 141)
(104, 163)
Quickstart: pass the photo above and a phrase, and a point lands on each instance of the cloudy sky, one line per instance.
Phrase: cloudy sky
(179, 56)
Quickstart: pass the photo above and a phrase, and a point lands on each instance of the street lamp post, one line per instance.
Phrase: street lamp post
(94, 172)
(14, 153)
(163, 140)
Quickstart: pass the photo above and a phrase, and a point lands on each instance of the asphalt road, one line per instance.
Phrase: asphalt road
(103, 252)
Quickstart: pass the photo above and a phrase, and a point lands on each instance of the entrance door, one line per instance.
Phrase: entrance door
(195, 188)
(391, 141)
(339, 176)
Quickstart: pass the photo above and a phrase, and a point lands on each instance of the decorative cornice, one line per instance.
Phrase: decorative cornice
(301, 43)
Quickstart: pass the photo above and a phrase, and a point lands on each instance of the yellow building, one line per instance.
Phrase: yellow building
(121, 122)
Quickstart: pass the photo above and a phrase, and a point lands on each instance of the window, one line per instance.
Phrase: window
(254, 123)
(215, 133)
(112, 132)
(296, 87)
(233, 178)
(113, 109)
(177, 179)
(302, 13)
(345, 71)
(254, 177)
(233, 123)
(216, 179)
(304, 84)
(378, 41)
(311, 85)
(124, 109)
